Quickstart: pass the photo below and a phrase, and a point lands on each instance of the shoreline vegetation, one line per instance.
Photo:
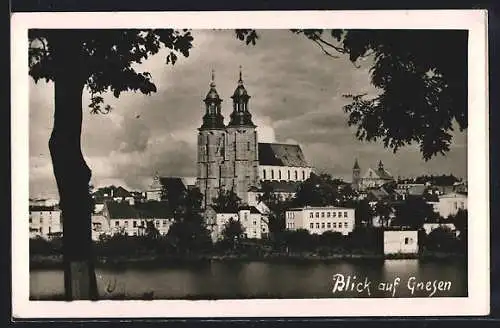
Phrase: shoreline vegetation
(41, 262)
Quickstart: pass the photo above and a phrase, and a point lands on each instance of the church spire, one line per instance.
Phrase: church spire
(356, 165)
(240, 81)
(240, 115)
(213, 118)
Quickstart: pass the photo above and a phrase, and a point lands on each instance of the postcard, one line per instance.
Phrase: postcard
(250, 164)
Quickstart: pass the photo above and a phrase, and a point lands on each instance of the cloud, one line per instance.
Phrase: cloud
(296, 96)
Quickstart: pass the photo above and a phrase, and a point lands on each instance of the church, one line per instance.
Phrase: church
(230, 156)
(373, 178)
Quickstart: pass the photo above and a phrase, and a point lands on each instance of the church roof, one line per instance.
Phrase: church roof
(384, 174)
(276, 154)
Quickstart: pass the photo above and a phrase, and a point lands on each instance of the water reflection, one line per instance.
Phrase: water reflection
(238, 279)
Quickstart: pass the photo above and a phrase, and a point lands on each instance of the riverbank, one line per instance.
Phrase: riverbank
(40, 262)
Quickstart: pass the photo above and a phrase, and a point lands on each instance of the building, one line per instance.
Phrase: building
(162, 186)
(113, 193)
(230, 156)
(253, 221)
(320, 219)
(282, 162)
(132, 220)
(45, 222)
(43, 202)
(283, 189)
(400, 241)
(450, 204)
(373, 178)
(100, 226)
(431, 226)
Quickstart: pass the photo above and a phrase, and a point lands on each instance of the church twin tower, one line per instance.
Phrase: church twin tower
(227, 154)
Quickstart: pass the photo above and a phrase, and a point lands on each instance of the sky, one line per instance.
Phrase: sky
(296, 97)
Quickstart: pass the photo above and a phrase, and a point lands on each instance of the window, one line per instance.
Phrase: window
(164, 223)
(117, 223)
(340, 214)
(135, 224)
(334, 225)
(311, 215)
(125, 223)
(288, 174)
(322, 214)
(157, 223)
(456, 205)
(345, 214)
(322, 225)
(334, 214)
(296, 175)
(245, 216)
(311, 225)
(31, 221)
(317, 225)
(272, 174)
(254, 222)
(264, 174)
(41, 220)
(317, 214)
(303, 175)
(327, 214)
(407, 240)
(328, 225)
(345, 224)
(135, 233)
(248, 145)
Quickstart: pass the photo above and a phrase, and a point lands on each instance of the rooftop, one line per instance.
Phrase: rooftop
(123, 210)
(278, 154)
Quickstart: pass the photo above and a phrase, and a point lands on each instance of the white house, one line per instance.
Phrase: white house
(133, 219)
(253, 221)
(431, 226)
(400, 241)
(44, 221)
(449, 204)
(320, 219)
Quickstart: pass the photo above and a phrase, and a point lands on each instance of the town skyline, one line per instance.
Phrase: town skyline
(296, 98)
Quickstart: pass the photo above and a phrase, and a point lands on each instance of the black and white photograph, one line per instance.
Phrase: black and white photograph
(196, 162)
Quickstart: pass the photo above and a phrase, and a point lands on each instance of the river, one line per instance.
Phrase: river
(259, 279)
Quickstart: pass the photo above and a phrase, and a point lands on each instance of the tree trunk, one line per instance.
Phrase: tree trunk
(71, 172)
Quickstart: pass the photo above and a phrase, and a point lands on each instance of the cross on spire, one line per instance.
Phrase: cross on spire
(240, 81)
(212, 83)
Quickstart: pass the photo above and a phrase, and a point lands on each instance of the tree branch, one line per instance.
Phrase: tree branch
(323, 49)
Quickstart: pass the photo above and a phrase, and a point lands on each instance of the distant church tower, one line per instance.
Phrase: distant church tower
(242, 168)
(211, 146)
(356, 175)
